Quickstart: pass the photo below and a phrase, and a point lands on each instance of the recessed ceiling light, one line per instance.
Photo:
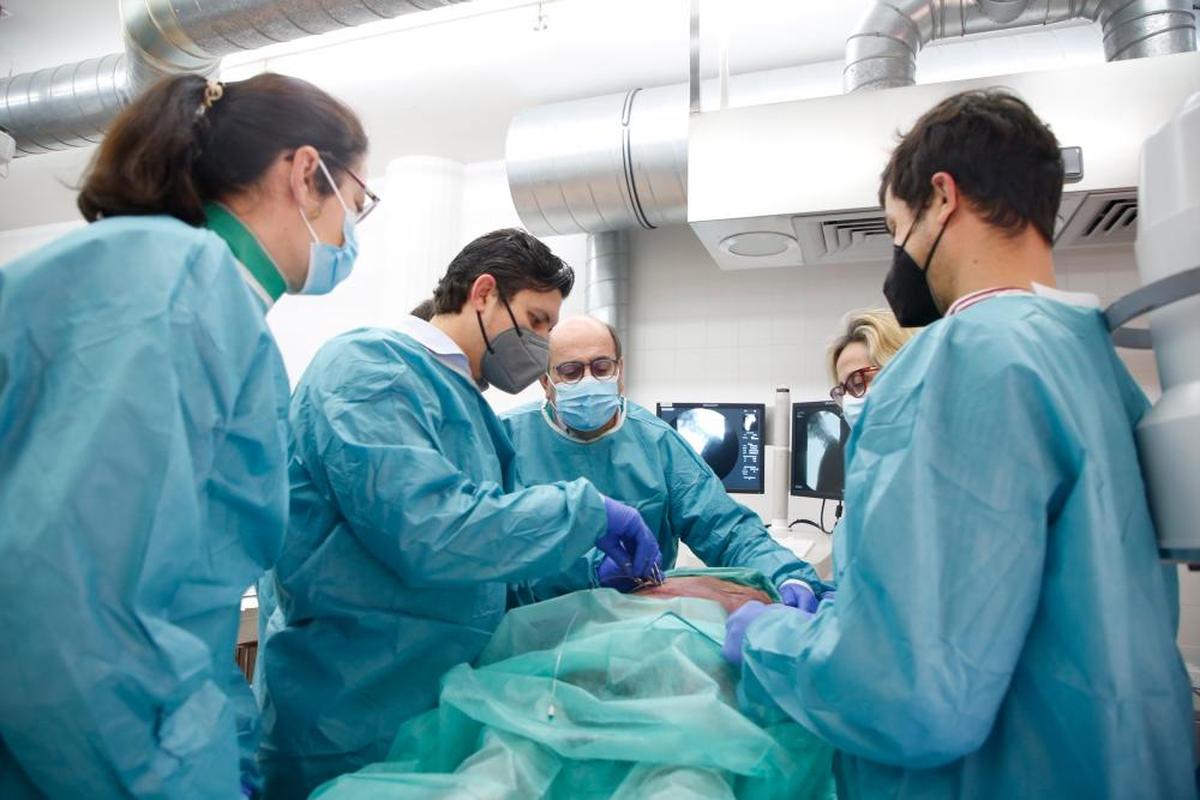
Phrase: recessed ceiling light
(758, 244)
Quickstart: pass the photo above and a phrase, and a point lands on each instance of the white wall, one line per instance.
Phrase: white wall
(19, 241)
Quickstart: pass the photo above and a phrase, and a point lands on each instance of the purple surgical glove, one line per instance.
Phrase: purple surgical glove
(629, 543)
(610, 575)
(735, 629)
(798, 595)
(743, 618)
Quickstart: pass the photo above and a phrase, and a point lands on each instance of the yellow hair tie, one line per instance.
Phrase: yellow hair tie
(213, 92)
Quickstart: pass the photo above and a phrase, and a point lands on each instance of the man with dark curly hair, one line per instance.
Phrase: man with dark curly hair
(1003, 626)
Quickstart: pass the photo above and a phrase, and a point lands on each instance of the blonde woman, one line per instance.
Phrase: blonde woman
(869, 339)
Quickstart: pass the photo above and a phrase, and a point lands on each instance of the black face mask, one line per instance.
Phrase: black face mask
(906, 286)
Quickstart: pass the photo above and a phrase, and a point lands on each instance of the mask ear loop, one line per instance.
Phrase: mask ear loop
(311, 231)
(304, 217)
(511, 315)
(908, 235)
(479, 318)
(933, 250)
(333, 184)
(486, 342)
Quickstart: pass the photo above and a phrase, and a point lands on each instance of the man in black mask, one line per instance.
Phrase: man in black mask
(971, 204)
(1002, 627)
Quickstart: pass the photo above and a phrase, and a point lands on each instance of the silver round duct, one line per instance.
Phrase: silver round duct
(883, 53)
(620, 161)
(601, 164)
(70, 105)
(606, 293)
(63, 107)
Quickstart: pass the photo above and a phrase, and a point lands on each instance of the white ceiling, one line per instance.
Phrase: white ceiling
(44, 33)
(446, 82)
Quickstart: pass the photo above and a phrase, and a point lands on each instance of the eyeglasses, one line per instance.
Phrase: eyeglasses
(602, 369)
(372, 198)
(855, 385)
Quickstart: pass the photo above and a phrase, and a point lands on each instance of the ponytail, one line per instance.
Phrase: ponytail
(181, 144)
(145, 164)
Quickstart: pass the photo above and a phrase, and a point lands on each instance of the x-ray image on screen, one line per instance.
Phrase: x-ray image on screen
(818, 440)
(727, 436)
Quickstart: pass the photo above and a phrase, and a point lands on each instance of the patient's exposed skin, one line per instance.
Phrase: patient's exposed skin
(730, 595)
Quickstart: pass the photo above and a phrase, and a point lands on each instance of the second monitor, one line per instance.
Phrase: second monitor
(728, 436)
(818, 440)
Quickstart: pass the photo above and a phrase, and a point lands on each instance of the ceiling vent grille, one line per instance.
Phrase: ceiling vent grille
(843, 236)
(840, 235)
(1112, 220)
(1103, 218)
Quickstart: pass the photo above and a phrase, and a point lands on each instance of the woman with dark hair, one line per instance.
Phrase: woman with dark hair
(143, 481)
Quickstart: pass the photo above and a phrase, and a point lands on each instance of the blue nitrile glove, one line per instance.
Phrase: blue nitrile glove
(798, 595)
(629, 543)
(743, 618)
(610, 575)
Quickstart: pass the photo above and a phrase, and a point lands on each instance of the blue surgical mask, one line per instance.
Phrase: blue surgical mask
(328, 264)
(852, 408)
(588, 405)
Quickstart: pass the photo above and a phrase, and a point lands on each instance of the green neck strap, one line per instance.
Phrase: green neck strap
(246, 249)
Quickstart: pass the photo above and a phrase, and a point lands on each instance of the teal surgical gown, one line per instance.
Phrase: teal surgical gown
(1003, 626)
(404, 532)
(646, 464)
(142, 489)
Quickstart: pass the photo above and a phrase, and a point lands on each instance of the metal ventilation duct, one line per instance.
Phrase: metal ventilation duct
(601, 164)
(70, 105)
(620, 161)
(883, 53)
(606, 293)
(64, 106)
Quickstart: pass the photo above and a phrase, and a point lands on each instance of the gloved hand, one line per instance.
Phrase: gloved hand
(829, 596)
(798, 595)
(735, 630)
(743, 618)
(629, 543)
(610, 575)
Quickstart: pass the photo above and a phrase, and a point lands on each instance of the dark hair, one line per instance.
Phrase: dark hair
(423, 310)
(1004, 159)
(516, 259)
(172, 150)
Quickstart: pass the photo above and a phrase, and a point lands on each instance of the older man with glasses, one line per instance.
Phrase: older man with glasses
(586, 428)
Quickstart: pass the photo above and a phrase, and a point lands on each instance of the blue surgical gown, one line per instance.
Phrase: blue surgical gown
(646, 464)
(405, 529)
(1003, 626)
(142, 489)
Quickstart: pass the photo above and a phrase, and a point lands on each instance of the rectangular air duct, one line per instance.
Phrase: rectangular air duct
(797, 183)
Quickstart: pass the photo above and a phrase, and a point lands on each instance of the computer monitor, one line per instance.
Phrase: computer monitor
(819, 435)
(728, 436)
